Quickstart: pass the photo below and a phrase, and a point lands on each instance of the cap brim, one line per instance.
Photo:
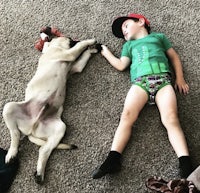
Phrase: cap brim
(117, 26)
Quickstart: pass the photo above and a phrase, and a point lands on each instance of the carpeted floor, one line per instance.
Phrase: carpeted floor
(95, 98)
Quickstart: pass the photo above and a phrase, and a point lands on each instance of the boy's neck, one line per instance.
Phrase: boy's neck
(141, 34)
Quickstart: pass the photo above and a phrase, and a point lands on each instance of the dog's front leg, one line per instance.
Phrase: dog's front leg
(80, 64)
(10, 112)
(75, 51)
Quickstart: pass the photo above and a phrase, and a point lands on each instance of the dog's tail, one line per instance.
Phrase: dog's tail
(41, 142)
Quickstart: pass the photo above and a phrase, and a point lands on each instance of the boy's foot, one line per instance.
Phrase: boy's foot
(98, 173)
(111, 165)
(185, 166)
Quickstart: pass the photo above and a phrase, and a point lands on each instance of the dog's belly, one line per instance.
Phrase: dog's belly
(48, 84)
(44, 96)
(47, 97)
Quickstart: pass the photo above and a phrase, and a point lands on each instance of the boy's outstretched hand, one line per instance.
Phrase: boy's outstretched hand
(182, 86)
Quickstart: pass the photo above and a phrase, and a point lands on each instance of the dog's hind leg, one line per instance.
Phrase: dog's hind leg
(57, 130)
(10, 112)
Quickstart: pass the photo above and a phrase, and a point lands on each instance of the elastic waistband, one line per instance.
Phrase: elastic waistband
(154, 76)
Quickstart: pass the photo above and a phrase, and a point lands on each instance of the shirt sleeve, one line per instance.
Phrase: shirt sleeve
(125, 51)
(165, 41)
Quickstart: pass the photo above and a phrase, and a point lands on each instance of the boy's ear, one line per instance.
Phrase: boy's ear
(142, 21)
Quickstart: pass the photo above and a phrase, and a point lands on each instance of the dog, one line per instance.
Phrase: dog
(39, 115)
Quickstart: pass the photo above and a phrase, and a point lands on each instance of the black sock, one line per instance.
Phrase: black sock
(112, 163)
(185, 165)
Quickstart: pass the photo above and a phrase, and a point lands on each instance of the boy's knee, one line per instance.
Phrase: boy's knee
(169, 118)
(128, 116)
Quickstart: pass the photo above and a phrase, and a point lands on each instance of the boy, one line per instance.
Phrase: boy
(147, 54)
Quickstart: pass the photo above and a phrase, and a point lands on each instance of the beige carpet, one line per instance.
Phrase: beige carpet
(95, 98)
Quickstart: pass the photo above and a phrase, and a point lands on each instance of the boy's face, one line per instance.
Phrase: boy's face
(130, 29)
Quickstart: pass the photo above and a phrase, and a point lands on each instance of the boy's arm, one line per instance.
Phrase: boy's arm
(180, 83)
(118, 63)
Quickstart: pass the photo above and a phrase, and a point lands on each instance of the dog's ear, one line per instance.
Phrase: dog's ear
(73, 42)
(7, 171)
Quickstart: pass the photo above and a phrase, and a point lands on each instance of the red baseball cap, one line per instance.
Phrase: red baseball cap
(117, 24)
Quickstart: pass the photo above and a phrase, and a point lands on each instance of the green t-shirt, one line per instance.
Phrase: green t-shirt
(147, 55)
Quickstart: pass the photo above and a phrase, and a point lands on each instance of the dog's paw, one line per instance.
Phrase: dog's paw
(92, 50)
(98, 47)
(39, 179)
(10, 156)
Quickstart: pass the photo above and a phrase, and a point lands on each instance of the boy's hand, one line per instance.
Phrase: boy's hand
(119, 63)
(104, 50)
(182, 86)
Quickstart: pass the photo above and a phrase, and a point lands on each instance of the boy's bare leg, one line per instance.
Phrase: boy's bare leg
(167, 105)
(135, 101)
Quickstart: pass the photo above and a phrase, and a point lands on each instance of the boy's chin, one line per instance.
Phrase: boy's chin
(127, 38)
